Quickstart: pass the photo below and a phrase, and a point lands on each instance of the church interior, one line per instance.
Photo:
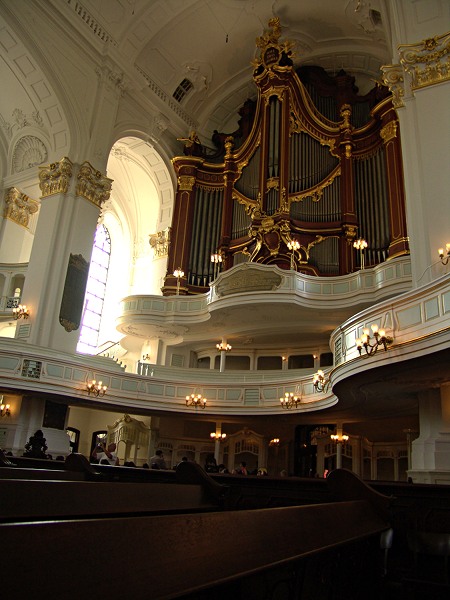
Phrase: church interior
(225, 235)
(252, 211)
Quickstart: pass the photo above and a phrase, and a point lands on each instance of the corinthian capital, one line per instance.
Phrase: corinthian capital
(19, 207)
(55, 178)
(93, 185)
(393, 79)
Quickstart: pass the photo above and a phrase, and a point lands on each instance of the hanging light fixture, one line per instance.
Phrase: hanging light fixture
(320, 381)
(96, 388)
(196, 400)
(290, 400)
(379, 339)
(21, 311)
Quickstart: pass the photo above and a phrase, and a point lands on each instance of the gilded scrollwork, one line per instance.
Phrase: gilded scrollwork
(229, 145)
(350, 232)
(427, 62)
(160, 242)
(316, 193)
(346, 113)
(393, 79)
(19, 207)
(273, 53)
(93, 185)
(55, 178)
(389, 131)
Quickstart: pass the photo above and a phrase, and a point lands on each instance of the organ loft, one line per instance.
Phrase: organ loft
(312, 167)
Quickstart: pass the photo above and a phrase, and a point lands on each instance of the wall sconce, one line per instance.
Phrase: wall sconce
(360, 245)
(145, 357)
(21, 311)
(293, 246)
(320, 381)
(178, 273)
(444, 258)
(96, 388)
(290, 400)
(222, 347)
(196, 400)
(5, 410)
(274, 442)
(380, 339)
(218, 437)
(339, 438)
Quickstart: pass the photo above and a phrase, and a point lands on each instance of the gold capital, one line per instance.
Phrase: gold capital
(19, 207)
(186, 183)
(393, 79)
(93, 185)
(55, 178)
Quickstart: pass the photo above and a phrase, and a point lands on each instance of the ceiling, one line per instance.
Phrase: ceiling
(212, 43)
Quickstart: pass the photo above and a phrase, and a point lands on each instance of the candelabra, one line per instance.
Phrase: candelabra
(444, 257)
(289, 400)
(223, 347)
(293, 246)
(196, 400)
(360, 245)
(379, 339)
(320, 381)
(216, 259)
(21, 311)
(178, 273)
(218, 437)
(339, 437)
(96, 388)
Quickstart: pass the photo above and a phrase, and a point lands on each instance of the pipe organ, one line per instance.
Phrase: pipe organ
(312, 167)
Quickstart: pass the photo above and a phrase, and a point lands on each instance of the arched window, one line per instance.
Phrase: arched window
(95, 292)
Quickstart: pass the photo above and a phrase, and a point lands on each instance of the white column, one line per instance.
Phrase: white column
(417, 86)
(72, 196)
(217, 441)
(430, 459)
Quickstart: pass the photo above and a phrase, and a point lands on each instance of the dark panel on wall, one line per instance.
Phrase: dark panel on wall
(54, 415)
(74, 290)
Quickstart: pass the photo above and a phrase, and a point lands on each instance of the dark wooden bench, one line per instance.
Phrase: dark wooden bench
(98, 538)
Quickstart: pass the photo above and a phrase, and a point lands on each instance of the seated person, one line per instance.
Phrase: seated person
(36, 446)
(157, 461)
(105, 455)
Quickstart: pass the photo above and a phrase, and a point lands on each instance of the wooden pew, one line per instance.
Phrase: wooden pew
(193, 555)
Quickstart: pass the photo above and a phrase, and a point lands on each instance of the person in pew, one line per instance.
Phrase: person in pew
(106, 455)
(36, 446)
(211, 464)
(157, 461)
